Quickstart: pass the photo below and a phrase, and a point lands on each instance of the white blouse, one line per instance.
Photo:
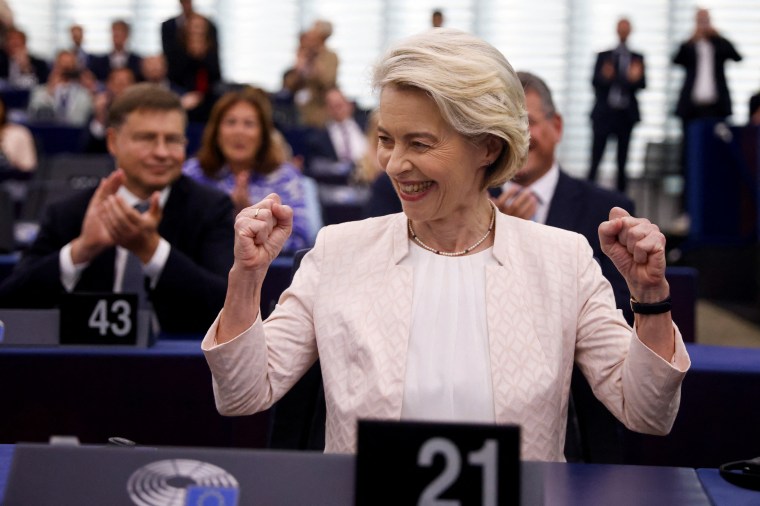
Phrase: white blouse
(448, 370)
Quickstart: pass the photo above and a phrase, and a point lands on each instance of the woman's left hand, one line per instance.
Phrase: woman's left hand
(637, 248)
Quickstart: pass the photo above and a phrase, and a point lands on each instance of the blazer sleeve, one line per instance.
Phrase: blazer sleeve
(254, 370)
(640, 388)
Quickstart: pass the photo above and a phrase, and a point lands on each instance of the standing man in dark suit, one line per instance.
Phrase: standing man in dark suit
(541, 191)
(172, 37)
(704, 93)
(618, 75)
(181, 245)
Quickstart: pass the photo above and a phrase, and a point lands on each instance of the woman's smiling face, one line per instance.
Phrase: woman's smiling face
(240, 134)
(435, 170)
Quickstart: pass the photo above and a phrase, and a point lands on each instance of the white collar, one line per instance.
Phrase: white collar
(132, 199)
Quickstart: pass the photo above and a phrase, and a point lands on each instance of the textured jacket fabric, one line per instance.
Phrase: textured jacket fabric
(351, 304)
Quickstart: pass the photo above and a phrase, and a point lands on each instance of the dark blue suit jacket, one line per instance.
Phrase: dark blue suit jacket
(602, 86)
(580, 206)
(198, 223)
(101, 66)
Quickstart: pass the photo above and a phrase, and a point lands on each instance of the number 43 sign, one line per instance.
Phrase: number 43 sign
(433, 464)
(99, 318)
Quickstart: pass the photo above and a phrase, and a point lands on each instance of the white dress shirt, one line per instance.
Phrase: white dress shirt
(448, 367)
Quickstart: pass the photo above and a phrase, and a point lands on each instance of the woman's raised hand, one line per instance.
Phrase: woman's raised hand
(261, 231)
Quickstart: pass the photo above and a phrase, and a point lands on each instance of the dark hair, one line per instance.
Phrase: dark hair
(143, 97)
(268, 157)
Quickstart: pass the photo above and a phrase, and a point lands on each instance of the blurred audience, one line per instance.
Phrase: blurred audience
(118, 81)
(368, 167)
(171, 31)
(63, 98)
(119, 57)
(146, 229)
(18, 156)
(19, 68)
(239, 155)
(195, 67)
(77, 47)
(317, 68)
(342, 139)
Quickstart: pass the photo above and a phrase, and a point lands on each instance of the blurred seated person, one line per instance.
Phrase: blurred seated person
(240, 155)
(342, 139)
(63, 98)
(181, 243)
(118, 81)
(317, 67)
(284, 110)
(195, 68)
(18, 155)
(18, 68)
(451, 310)
(154, 70)
(119, 57)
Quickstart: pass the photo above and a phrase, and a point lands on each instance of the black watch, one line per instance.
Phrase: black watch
(651, 308)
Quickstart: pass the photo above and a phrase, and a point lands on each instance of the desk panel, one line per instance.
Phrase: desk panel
(719, 416)
(285, 477)
(156, 396)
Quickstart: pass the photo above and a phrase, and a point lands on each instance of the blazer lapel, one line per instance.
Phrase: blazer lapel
(516, 352)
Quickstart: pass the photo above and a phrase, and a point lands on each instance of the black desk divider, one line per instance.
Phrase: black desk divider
(43, 475)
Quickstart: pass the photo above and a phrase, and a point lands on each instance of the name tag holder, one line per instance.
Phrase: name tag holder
(437, 464)
(103, 319)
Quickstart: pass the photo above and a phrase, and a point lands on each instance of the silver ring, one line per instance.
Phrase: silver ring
(257, 212)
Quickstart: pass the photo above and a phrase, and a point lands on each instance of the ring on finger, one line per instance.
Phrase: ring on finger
(256, 213)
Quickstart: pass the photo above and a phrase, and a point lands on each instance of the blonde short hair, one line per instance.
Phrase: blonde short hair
(473, 85)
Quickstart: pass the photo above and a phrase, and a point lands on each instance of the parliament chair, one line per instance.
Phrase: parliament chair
(61, 176)
(56, 138)
(662, 164)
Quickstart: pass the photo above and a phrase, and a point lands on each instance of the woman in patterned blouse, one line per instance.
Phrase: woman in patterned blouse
(240, 156)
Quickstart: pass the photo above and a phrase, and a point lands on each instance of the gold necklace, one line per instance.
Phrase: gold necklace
(455, 253)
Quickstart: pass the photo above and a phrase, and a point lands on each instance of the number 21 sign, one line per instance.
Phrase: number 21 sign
(437, 464)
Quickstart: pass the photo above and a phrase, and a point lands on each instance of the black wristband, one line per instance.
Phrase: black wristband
(654, 308)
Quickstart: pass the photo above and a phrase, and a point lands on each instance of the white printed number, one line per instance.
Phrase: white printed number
(120, 309)
(486, 457)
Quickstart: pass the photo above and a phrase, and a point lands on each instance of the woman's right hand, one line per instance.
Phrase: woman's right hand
(260, 233)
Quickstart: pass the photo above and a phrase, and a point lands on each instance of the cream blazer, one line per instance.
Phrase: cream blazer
(548, 305)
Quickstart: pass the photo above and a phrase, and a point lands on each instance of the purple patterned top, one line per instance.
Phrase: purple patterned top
(286, 181)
